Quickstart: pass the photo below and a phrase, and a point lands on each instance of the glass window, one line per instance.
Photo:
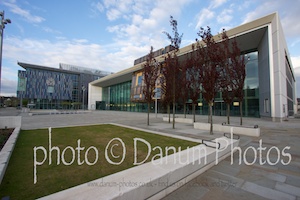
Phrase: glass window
(140, 80)
(266, 106)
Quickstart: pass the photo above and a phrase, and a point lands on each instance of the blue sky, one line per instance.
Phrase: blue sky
(109, 34)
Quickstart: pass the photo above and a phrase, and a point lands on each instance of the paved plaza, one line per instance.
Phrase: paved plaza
(236, 180)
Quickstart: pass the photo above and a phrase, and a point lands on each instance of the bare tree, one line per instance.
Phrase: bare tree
(171, 61)
(150, 72)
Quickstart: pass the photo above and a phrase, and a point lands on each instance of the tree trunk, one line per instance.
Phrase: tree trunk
(169, 113)
(148, 123)
(194, 112)
(173, 114)
(211, 122)
(228, 113)
(208, 116)
(241, 113)
(184, 109)
(174, 99)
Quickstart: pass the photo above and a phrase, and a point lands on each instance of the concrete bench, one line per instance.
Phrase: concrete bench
(179, 120)
(239, 130)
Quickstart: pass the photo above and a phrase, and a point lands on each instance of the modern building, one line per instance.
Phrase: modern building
(298, 105)
(55, 88)
(270, 89)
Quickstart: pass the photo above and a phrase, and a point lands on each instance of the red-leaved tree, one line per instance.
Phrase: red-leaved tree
(166, 87)
(209, 57)
(172, 63)
(239, 69)
(184, 82)
(194, 80)
(150, 72)
(227, 74)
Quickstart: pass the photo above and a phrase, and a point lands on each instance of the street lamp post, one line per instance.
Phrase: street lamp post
(2, 26)
(83, 90)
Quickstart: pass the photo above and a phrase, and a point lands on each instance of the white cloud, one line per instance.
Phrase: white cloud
(263, 9)
(99, 6)
(50, 30)
(296, 62)
(8, 81)
(216, 3)
(294, 43)
(25, 14)
(203, 17)
(113, 57)
(8, 86)
(113, 14)
(144, 28)
(245, 5)
(225, 17)
(288, 13)
(108, 3)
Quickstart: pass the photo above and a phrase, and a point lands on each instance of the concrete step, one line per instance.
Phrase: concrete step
(224, 168)
(266, 192)
(221, 187)
(187, 192)
(290, 189)
(269, 175)
(230, 180)
(191, 190)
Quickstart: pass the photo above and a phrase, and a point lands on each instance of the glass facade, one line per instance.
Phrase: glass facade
(117, 97)
(251, 94)
(289, 87)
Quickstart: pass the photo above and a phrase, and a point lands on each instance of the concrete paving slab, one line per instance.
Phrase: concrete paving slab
(188, 192)
(236, 193)
(266, 167)
(258, 179)
(223, 168)
(266, 192)
(269, 175)
(292, 179)
(289, 167)
(289, 189)
(214, 184)
(232, 180)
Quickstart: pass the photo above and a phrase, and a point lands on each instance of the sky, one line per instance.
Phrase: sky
(109, 35)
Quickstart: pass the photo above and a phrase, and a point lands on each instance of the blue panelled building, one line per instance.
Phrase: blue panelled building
(65, 87)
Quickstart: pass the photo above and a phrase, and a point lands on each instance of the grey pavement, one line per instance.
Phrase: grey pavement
(9, 111)
(229, 179)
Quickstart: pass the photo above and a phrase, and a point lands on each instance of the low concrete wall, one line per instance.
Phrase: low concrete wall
(179, 120)
(152, 180)
(57, 112)
(7, 150)
(10, 121)
(240, 130)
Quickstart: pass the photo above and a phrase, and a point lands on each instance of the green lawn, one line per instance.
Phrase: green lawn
(18, 182)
